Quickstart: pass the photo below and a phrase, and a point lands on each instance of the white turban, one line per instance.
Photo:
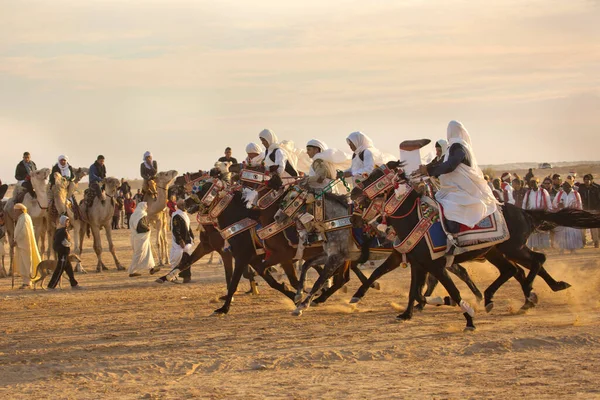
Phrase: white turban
(317, 143)
(255, 148)
(269, 136)
(63, 157)
(62, 221)
(147, 154)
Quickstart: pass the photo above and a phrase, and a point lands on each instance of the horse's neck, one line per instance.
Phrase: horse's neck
(410, 217)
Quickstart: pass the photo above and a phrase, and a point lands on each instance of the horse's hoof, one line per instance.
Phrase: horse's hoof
(403, 317)
(560, 286)
(159, 280)
(344, 289)
(469, 329)
(528, 304)
(220, 312)
(489, 306)
(533, 297)
(419, 307)
(376, 286)
(297, 312)
(354, 300)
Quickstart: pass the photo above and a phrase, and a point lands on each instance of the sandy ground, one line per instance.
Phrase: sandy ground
(132, 338)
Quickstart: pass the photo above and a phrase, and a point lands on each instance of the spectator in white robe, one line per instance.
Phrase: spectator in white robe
(142, 257)
(537, 198)
(182, 234)
(280, 157)
(256, 155)
(567, 238)
(27, 256)
(507, 188)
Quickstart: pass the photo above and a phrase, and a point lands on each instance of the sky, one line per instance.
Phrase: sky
(185, 79)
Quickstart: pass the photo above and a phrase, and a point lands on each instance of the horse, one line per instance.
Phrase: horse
(520, 223)
(236, 221)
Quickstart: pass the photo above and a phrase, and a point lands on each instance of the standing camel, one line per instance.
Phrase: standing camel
(62, 196)
(99, 216)
(157, 216)
(37, 209)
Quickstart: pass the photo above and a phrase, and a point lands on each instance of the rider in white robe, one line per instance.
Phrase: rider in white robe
(256, 155)
(365, 158)
(326, 163)
(464, 193)
(280, 158)
(142, 257)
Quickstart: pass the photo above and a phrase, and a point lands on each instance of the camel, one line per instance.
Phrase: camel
(62, 196)
(157, 216)
(100, 216)
(37, 209)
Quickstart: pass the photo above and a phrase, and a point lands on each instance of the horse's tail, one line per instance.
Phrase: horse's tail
(568, 217)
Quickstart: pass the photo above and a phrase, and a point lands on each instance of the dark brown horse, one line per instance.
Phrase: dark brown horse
(521, 223)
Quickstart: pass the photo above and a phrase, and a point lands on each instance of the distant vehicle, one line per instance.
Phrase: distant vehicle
(545, 166)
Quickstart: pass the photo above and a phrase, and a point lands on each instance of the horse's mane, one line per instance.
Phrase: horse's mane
(342, 199)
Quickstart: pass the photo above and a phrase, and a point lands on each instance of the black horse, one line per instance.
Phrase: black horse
(521, 223)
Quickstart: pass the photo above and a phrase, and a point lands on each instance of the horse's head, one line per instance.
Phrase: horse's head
(275, 182)
(280, 215)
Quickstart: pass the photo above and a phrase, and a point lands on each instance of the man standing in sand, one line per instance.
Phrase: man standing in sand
(567, 238)
(27, 256)
(507, 188)
(590, 199)
(537, 198)
(183, 240)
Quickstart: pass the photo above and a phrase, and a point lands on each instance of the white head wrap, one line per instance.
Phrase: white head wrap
(138, 214)
(269, 136)
(20, 206)
(62, 221)
(317, 143)
(258, 149)
(146, 155)
(442, 144)
(64, 171)
(457, 133)
(360, 141)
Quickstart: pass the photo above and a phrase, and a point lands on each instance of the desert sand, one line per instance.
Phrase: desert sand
(132, 338)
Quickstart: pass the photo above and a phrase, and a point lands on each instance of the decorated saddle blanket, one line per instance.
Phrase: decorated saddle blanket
(488, 232)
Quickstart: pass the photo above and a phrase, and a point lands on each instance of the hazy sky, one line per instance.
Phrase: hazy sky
(184, 79)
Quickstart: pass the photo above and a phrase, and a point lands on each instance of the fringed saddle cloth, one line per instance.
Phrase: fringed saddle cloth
(490, 231)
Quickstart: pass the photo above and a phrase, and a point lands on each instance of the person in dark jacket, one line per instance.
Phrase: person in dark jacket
(97, 176)
(62, 246)
(227, 157)
(23, 173)
(183, 239)
(3, 189)
(129, 205)
(63, 168)
(148, 171)
(590, 199)
(519, 192)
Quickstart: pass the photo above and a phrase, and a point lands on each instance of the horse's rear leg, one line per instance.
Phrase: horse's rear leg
(362, 277)
(463, 275)
(507, 270)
